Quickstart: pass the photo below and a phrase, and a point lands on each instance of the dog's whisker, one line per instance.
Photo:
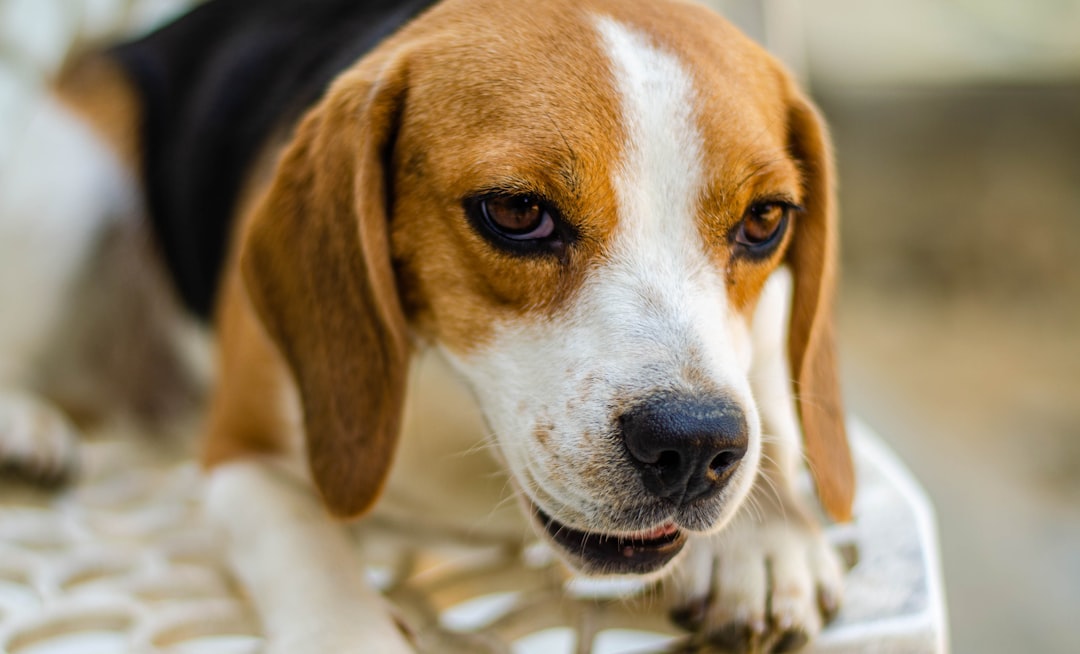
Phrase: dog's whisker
(485, 444)
(754, 509)
(771, 485)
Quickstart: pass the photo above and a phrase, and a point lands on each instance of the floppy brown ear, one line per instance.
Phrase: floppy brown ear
(316, 263)
(811, 346)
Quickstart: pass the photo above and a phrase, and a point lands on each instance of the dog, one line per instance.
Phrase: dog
(584, 251)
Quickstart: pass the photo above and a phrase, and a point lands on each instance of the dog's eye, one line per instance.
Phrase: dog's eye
(763, 226)
(519, 218)
(522, 224)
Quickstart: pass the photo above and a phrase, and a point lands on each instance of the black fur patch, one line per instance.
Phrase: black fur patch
(215, 85)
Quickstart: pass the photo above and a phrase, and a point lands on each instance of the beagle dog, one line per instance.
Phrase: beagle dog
(579, 253)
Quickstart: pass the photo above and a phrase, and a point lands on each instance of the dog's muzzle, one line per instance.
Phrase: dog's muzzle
(685, 451)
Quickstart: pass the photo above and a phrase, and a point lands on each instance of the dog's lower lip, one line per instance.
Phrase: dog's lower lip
(617, 553)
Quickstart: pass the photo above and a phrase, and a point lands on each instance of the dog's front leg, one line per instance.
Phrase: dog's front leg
(297, 565)
(767, 583)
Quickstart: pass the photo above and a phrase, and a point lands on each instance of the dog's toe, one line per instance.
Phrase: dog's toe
(772, 589)
(37, 442)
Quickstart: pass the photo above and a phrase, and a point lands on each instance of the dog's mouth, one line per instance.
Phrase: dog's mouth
(615, 553)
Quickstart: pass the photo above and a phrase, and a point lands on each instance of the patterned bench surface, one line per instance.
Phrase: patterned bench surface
(124, 562)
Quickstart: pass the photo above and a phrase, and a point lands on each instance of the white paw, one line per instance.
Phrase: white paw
(37, 442)
(757, 586)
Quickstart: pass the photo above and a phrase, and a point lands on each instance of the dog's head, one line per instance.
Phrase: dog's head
(579, 204)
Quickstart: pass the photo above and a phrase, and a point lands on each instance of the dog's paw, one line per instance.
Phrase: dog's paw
(767, 587)
(37, 442)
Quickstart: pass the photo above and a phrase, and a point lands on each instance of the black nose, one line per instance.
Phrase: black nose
(685, 448)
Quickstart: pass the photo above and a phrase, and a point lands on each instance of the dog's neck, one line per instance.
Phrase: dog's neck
(463, 485)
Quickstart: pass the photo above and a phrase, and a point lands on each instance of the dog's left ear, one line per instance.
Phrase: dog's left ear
(811, 345)
(316, 263)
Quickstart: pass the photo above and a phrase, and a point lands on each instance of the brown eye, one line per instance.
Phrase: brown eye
(521, 224)
(520, 218)
(762, 225)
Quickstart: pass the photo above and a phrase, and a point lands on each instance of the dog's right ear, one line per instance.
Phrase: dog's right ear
(316, 263)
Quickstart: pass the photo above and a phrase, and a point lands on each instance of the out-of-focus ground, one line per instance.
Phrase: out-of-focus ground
(957, 133)
(959, 167)
(961, 339)
(960, 327)
(957, 130)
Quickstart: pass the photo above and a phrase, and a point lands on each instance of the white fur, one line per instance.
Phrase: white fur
(61, 188)
(297, 563)
(770, 374)
(764, 572)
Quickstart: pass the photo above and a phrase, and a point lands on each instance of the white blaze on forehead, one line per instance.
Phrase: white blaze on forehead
(659, 179)
(659, 271)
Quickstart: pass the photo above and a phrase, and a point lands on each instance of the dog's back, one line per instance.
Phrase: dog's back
(214, 87)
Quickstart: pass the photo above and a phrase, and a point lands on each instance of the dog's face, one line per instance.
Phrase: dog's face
(584, 206)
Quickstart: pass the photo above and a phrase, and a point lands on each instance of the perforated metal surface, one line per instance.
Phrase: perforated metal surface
(123, 561)
(119, 562)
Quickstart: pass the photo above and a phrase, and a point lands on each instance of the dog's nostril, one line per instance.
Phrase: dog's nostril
(721, 462)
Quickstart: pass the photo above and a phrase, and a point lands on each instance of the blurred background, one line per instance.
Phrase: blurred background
(957, 132)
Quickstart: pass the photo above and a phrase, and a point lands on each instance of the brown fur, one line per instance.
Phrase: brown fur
(99, 90)
(811, 341)
(475, 98)
(316, 266)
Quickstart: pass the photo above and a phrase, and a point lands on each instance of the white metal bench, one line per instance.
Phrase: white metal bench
(123, 562)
